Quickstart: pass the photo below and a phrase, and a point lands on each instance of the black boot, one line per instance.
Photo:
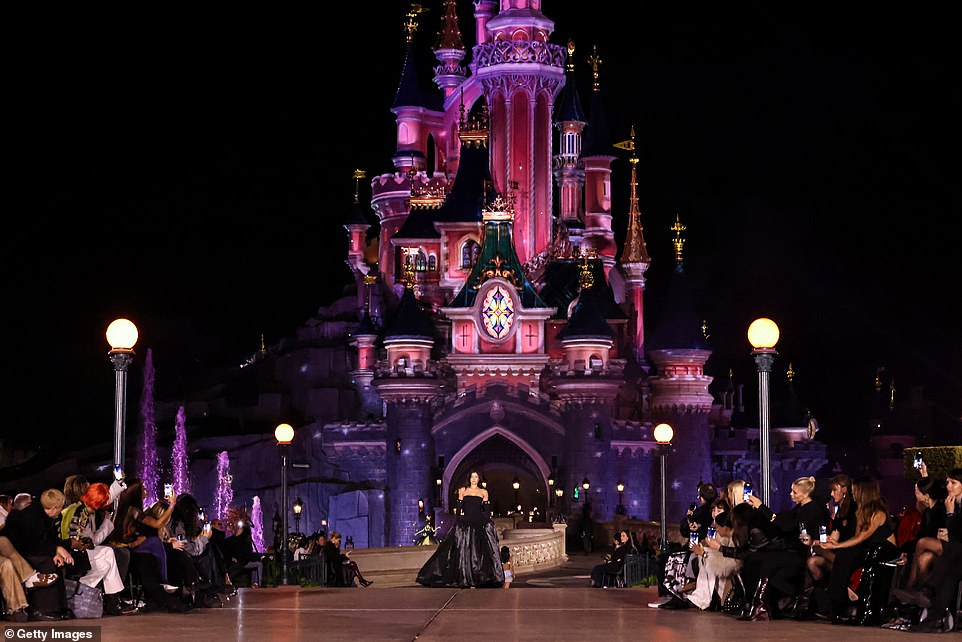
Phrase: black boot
(802, 606)
(759, 610)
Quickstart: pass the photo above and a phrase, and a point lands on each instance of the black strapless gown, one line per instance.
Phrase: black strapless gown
(469, 556)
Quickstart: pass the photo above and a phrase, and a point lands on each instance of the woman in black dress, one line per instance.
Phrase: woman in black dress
(470, 555)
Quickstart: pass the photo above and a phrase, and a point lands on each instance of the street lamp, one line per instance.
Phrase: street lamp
(284, 434)
(763, 335)
(298, 507)
(559, 493)
(621, 498)
(121, 336)
(551, 490)
(663, 434)
(516, 485)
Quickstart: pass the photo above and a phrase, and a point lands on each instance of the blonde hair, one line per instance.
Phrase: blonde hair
(804, 485)
(736, 492)
(52, 498)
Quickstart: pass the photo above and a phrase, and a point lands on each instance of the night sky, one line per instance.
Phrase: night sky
(192, 172)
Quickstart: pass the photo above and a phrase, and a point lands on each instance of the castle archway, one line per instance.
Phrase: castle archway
(501, 457)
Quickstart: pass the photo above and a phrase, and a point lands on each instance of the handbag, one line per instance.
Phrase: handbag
(86, 602)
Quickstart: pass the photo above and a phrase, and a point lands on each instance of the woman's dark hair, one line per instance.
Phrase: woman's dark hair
(741, 515)
(721, 503)
(868, 495)
(956, 474)
(187, 511)
(724, 519)
(505, 554)
(467, 479)
(129, 506)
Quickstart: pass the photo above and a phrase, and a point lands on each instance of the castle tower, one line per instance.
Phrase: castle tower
(586, 390)
(521, 73)
(409, 386)
(449, 51)
(679, 387)
(365, 340)
(635, 261)
(596, 158)
(570, 177)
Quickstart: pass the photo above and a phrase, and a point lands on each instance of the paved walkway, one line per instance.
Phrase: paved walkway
(555, 605)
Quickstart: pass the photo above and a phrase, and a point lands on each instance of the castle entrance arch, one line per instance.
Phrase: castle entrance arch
(502, 457)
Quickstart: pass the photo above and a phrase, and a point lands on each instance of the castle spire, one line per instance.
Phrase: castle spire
(678, 241)
(595, 61)
(635, 249)
(449, 36)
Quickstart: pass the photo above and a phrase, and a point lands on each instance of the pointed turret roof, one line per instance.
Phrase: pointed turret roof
(567, 106)
(679, 326)
(586, 319)
(497, 258)
(410, 91)
(366, 326)
(410, 320)
(635, 250)
(597, 139)
(419, 224)
(449, 36)
(472, 186)
(562, 284)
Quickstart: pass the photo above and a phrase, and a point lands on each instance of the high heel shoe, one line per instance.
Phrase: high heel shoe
(366, 583)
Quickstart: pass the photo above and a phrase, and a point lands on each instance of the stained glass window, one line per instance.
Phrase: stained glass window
(497, 311)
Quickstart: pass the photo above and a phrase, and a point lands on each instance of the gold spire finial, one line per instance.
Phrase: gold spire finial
(571, 55)
(594, 60)
(878, 378)
(587, 277)
(790, 373)
(500, 209)
(635, 250)
(263, 347)
(892, 395)
(678, 241)
(359, 174)
(411, 20)
(704, 329)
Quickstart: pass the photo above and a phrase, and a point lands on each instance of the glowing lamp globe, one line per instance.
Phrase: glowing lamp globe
(620, 487)
(284, 433)
(763, 334)
(122, 334)
(664, 433)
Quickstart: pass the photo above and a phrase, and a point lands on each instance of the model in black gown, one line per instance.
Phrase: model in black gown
(470, 555)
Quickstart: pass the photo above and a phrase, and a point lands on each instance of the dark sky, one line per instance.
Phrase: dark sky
(192, 172)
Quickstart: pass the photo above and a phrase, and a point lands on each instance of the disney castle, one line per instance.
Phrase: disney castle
(494, 323)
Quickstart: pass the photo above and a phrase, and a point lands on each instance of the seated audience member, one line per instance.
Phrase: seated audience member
(193, 562)
(33, 532)
(145, 561)
(239, 553)
(6, 505)
(842, 509)
(346, 569)
(714, 580)
(873, 529)
(614, 562)
(937, 589)
(16, 575)
(79, 526)
(22, 500)
(928, 546)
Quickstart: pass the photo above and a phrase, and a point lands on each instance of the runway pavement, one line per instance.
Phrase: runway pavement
(554, 605)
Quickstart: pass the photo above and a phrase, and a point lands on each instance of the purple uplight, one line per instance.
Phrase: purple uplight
(180, 465)
(225, 493)
(148, 466)
(257, 525)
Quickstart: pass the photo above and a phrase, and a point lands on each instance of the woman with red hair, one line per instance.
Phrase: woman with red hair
(78, 524)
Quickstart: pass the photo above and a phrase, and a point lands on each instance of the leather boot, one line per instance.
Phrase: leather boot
(759, 611)
(801, 608)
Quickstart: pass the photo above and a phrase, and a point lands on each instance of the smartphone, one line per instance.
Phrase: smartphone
(693, 539)
(918, 460)
(202, 515)
(748, 491)
(240, 524)
(168, 491)
(711, 532)
(118, 472)
(180, 537)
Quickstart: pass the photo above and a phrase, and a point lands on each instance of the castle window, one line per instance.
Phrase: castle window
(420, 261)
(497, 312)
(469, 253)
(432, 263)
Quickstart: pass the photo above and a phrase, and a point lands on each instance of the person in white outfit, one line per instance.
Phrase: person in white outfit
(715, 576)
(80, 527)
